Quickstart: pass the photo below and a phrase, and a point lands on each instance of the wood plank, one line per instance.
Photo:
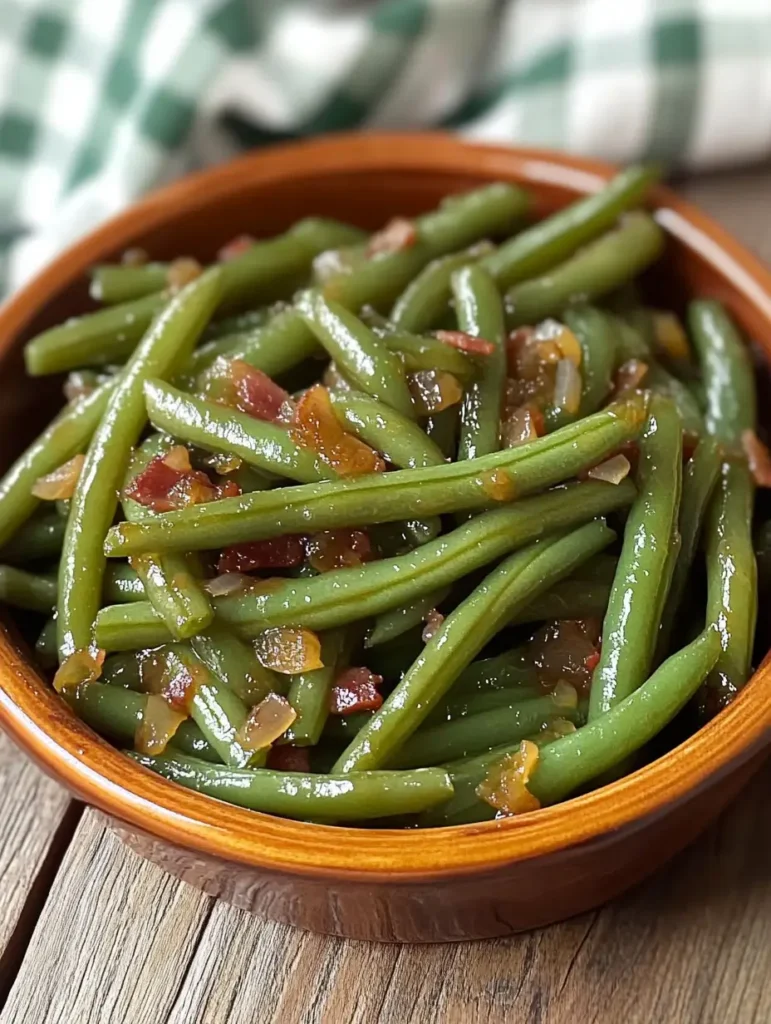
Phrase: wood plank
(113, 941)
(38, 819)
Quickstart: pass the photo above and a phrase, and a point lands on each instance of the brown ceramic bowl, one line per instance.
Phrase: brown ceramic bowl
(459, 883)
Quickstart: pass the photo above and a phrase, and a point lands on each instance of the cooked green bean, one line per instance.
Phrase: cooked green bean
(456, 708)
(422, 352)
(568, 599)
(662, 382)
(395, 621)
(463, 634)
(96, 493)
(45, 645)
(551, 241)
(400, 439)
(397, 538)
(442, 429)
(125, 670)
(347, 595)
(603, 265)
(38, 539)
(235, 663)
(424, 301)
(21, 589)
(459, 221)
(310, 691)
(240, 323)
(510, 669)
(480, 313)
(353, 797)
(114, 282)
(356, 350)
(218, 428)
(640, 586)
(382, 497)
(597, 338)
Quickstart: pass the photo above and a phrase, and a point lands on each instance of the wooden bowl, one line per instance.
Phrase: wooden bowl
(456, 883)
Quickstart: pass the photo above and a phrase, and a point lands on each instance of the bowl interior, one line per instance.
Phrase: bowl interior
(365, 180)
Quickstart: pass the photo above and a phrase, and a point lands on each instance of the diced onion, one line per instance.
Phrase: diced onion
(79, 667)
(758, 458)
(670, 336)
(182, 271)
(398, 234)
(631, 374)
(521, 425)
(567, 387)
(60, 483)
(159, 723)
(317, 427)
(227, 583)
(289, 650)
(505, 787)
(561, 335)
(434, 620)
(265, 722)
(433, 390)
(178, 458)
(612, 470)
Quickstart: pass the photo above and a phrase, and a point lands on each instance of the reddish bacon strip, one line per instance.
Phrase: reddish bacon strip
(465, 342)
(169, 482)
(276, 553)
(289, 759)
(355, 689)
(255, 394)
(234, 248)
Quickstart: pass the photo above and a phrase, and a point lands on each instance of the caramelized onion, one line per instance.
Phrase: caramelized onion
(316, 427)
(553, 332)
(559, 651)
(670, 336)
(567, 386)
(159, 723)
(60, 483)
(433, 390)
(289, 650)
(398, 234)
(523, 424)
(182, 271)
(758, 458)
(227, 583)
(498, 484)
(612, 470)
(505, 787)
(265, 722)
(630, 375)
(79, 667)
(434, 620)
(338, 549)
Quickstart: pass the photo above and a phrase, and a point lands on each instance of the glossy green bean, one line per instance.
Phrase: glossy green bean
(65, 437)
(459, 707)
(597, 338)
(357, 351)
(121, 584)
(662, 382)
(601, 266)
(463, 634)
(425, 300)
(395, 621)
(382, 497)
(467, 736)
(124, 670)
(218, 428)
(115, 282)
(552, 240)
(442, 428)
(732, 582)
(511, 669)
(116, 713)
(480, 313)
(640, 587)
(346, 595)
(39, 538)
(235, 663)
(45, 645)
(96, 494)
(397, 538)
(309, 692)
(240, 323)
(353, 797)
(422, 352)
(567, 763)
(459, 221)
(21, 589)
(569, 599)
(729, 383)
(400, 439)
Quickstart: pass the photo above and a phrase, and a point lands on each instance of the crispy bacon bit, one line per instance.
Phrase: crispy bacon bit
(316, 426)
(758, 457)
(522, 424)
(398, 234)
(465, 342)
(182, 271)
(630, 375)
(498, 485)
(288, 758)
(60, 483)
(235, 247)
(612, 470)
(433, 620)
(591, 661)
(159, 723)
(228, 583)
(505, 787)
(277, 553)
(257, 395)
(433, 390)
(515, 343)
(227, 489)
(355, 689)
(163, 488)
(338, 549)
(79, 667)
(288, 650)
(265, 722)
(670, 336)
(563, 650)
(134, 257)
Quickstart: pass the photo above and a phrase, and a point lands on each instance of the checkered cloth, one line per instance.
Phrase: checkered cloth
(102, 99)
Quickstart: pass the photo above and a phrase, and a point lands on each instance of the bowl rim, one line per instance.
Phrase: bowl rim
(105, 778)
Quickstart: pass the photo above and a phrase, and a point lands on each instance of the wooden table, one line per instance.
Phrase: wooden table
(91, 933)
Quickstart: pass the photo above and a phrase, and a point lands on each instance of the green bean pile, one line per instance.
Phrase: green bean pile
(429, 526)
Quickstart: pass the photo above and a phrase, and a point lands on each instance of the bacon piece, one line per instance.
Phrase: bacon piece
(465, 342)
(276, 553)
(355, 689)
(255, 394)
(163, 485)
(338, 549)
(235, 247)
(288, 758)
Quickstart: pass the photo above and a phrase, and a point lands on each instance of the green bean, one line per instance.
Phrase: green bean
(117, 713)
(699, 480)
(729, 383)
(240, 323)
(400, 439)
(174, 592)
(641, 583)
(94, 339)
(96, 494)
(21, 589)
(347, 595)
(424, 301)
(460, 707)
(395, 621)
(552, 240)
(382, 497)
(397, 538)
(124, 670)
(567, 763)
(114, 282)
(463, 634)
(354, 797)
(38, 539)
(480, 313)
(422, 352)
(358, 353)
(218, 428)
(662, 382)
(45, 645)
(471, 735)
(569, 599)
(65, 437)
(442, 429)
(732, 584)
(511, 669)
(457, 223)
(236, 664)
(603, 265)
(597, 338)
(310, 691)
(631, 343)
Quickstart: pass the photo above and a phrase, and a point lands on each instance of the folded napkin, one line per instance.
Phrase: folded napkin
(102, 99)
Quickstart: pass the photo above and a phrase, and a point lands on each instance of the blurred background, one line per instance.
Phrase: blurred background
(101, 100)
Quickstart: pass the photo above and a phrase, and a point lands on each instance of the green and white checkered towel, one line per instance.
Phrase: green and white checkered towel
(102, 99)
